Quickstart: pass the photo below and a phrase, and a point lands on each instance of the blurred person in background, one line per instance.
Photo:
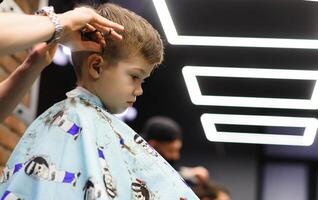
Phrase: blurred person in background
(165, 136)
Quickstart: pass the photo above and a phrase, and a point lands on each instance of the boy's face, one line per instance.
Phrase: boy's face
(119, 84)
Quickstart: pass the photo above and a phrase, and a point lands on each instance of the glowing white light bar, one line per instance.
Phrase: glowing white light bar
(175, 39)
(310, 124)
(190, 73)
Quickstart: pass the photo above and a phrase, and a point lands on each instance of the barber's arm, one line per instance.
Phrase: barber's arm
(18, 83)
(20, 31)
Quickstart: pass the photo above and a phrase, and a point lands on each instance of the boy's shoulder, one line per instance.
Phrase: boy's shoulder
(75, 115)
(71, 109)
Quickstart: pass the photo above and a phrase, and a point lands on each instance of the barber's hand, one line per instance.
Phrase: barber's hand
(76, 42)
(201, 173)
(86, 18)
(41, 55)
(196, 175)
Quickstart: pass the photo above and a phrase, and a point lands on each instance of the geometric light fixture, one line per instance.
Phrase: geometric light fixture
(210, 120)
(190, 74)
(174, 38)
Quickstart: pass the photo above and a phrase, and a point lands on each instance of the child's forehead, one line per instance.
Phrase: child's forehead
(137, 63)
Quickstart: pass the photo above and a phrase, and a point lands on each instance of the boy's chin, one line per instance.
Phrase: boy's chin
(118, 110)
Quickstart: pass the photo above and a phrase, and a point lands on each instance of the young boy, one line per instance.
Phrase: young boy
(77, 149)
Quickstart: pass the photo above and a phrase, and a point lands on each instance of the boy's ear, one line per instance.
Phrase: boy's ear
(94, 65)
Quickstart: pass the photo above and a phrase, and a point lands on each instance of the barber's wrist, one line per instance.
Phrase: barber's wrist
(58, 28)
(66, 23)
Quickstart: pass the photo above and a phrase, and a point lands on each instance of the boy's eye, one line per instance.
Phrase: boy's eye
(135, 77)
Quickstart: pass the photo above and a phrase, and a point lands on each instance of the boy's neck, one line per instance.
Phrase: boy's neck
(87, 88)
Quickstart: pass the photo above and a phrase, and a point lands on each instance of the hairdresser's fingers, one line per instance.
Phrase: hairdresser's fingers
(88, 19)
(109, 32)
(89, 28)
(77, 43)
(102, 22)
(77, 19)
(51, 52)
(116, 36)
(87, 46)
(94, 35)
(99, 38)
(41, 55)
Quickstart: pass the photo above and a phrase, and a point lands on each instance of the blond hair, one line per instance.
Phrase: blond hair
(139, 38)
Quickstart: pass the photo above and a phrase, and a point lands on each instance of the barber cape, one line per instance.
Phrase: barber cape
(77, 150)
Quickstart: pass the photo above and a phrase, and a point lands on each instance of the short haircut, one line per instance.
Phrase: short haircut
(162, 129)
(139, 38)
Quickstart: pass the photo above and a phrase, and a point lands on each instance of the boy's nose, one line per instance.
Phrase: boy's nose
(138, 91)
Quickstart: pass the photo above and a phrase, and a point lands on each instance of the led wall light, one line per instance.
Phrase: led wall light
(176, 39)
(310, 124)
(190, 74)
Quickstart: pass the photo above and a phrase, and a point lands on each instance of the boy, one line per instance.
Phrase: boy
(77, 149)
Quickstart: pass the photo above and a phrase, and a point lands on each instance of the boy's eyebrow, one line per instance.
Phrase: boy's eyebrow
(141, 70)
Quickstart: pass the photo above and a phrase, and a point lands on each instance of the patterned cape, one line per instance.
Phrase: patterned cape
(77, 150)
